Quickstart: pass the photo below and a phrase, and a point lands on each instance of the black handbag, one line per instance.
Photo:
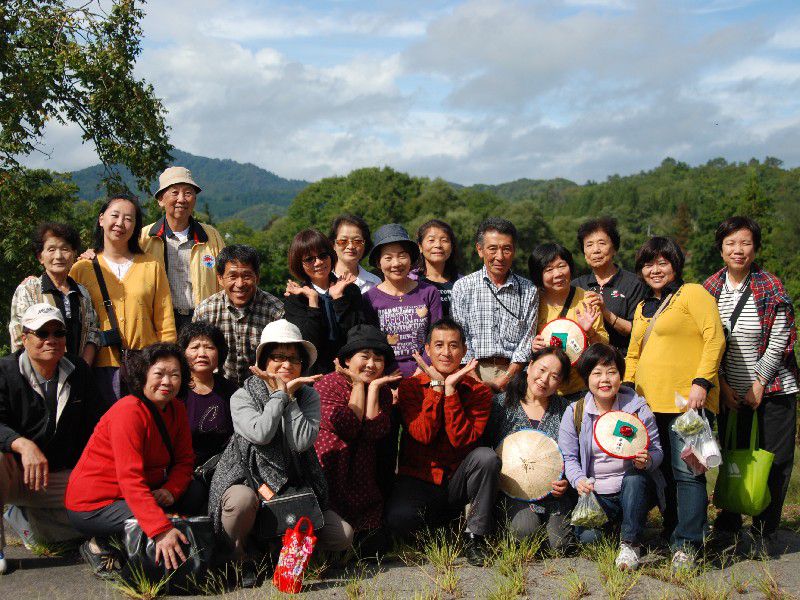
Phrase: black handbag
(140, 552)
(203, 473)
(284, 509)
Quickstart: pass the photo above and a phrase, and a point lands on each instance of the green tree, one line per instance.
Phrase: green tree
(69, 62)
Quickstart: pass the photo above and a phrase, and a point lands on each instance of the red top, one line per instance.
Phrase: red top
(125, 459)
(346, 449)
(439, 431)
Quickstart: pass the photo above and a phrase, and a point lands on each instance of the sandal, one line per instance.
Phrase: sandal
(105, 565)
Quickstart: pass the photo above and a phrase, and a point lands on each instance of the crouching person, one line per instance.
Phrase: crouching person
(441, 468)
(276, 419)
(48, 408)
(138, 464)
(625, 489)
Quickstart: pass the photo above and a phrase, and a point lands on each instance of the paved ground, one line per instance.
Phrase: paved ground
(68, 579)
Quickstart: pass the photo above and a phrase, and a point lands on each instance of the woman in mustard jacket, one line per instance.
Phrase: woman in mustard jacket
(680, 352)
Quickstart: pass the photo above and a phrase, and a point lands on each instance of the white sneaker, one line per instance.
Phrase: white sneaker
(18, 520)
(682, 561)
(628, 557)
(3, 563)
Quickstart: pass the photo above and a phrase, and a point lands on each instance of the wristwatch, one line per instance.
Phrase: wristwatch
(437, 383)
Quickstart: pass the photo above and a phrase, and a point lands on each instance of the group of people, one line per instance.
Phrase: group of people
(151, 376)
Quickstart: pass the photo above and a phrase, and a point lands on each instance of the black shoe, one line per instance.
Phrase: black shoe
(249, 574)
(476, 550)
(105, 565)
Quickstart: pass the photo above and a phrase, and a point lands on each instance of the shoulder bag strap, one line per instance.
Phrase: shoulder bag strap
(565, 308)
(112, 314)
(652, 324)
(162, 429)
(245, 465)
(740, 305)
(577, 415)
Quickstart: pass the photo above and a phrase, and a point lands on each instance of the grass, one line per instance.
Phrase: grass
(769, 586)
(575, 587)
(52, 549)
(139, 586)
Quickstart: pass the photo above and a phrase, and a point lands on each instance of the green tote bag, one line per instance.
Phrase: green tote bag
(742, 482)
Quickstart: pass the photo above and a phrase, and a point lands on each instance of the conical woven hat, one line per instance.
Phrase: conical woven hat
(620, 434)
(568, 335)
(531, 463)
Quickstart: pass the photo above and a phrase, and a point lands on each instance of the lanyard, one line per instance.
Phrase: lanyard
(500, 302)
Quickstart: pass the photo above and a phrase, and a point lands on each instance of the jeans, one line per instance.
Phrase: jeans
(685, 517)
(627, 509)
(524, 523)
(777, 422)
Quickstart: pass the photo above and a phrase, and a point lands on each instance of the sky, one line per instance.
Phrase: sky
(473, 92)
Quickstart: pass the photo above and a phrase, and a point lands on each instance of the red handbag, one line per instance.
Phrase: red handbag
(295, 554)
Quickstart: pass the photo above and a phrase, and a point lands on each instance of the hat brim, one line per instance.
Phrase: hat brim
(413, 249)
(348, 350)
(171, 183)
(36, 324)
(311, 351)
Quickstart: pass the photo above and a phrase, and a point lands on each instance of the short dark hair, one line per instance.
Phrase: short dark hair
(301, 352)
(201, 328)
(502, 226)
(607, 225)
(543, 255)
(600, 354)
(664, 247)
(307, 242)
(447, 324)
(138, 364)
(60, 230)
(451, 264)
(733, 224)
(355, 221)
(517, 387)
(133, 242)
(241, 253)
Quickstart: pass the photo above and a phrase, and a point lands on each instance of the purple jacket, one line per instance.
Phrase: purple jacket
(578, 451)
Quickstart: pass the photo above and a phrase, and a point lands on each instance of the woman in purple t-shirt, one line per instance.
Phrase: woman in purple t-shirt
(400, 307)
(208, 402)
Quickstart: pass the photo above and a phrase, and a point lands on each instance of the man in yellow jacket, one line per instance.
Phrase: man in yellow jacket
(187, 248)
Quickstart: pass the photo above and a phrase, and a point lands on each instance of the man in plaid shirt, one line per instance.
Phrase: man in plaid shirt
(241, 310)
(496, 307)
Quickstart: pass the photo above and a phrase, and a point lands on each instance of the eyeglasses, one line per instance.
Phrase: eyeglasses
(345, 242)
(282, 358)
(310, 260)
(43, 334)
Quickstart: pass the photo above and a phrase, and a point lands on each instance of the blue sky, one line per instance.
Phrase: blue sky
(479, 91)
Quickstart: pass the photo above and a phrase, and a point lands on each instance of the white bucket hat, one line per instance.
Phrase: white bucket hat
(40, 314)
(283, 332)
(174, 175)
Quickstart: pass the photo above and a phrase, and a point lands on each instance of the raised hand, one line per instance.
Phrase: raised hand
(452, 380)
(297, 383)
(539, 342)
(274, 382)
(641, 459)
(345, 371)
(595, 299)
(426, 368)
(390, 378)
(295, 289)
(337, 289)
(586, 317)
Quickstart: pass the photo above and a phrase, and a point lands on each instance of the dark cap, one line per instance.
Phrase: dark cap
(392, 233)
(363, 337)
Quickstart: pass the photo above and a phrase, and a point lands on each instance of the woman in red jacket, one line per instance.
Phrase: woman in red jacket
(129, 471)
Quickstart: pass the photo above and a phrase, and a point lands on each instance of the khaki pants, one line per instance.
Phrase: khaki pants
(44, 509)
(240, 506)
(490, 369)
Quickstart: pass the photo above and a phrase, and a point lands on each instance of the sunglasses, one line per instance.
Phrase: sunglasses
(310, 260)
(344, 242)
(282, 358)
(43, 334)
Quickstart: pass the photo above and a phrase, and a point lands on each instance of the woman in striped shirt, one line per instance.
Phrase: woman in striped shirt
(758, 374)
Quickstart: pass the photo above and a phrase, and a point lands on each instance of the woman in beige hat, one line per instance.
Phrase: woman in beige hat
(276, 418)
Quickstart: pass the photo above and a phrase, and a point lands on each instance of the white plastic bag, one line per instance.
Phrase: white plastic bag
(700, 451)
(588, 512)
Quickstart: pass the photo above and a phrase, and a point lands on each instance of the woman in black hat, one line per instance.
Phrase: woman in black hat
(356, 405)
(400, 307)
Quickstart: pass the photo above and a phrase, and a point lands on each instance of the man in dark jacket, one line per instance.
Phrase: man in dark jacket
(48, 408)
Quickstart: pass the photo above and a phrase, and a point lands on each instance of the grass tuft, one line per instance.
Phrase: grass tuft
(575, 587)
(769, 586)
(139, 586)
(52, 549)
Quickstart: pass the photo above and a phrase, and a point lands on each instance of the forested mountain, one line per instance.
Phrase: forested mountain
(230, 189)
(673, 199)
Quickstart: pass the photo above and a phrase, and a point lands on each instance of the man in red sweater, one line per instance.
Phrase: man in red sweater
(441, 467)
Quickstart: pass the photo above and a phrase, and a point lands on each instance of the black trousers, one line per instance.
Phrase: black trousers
(415, 503)
(110, 520)
(182, 320)
(777, 427)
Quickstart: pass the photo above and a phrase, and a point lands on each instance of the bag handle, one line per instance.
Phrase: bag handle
(308, 523)
(754, 445)
(730, 427)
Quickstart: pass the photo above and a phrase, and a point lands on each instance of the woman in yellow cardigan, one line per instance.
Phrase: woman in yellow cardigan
(137, 287)
(681, 353)
(551, 268)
